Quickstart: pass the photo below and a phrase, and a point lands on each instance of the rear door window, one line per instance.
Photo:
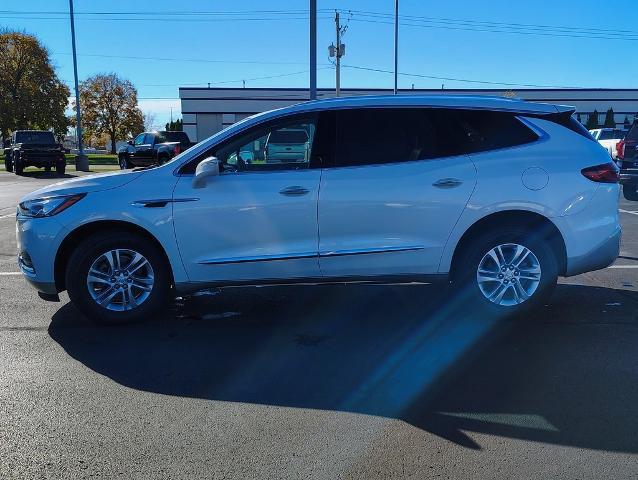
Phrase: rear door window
(370, 136)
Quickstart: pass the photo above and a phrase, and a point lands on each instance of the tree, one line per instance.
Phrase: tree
(149, 121)
(610, 121)
(109, 106)
(175, 126)
(31, 94)
(592, 120)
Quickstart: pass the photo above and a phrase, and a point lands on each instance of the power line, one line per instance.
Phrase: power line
(454, 79)
(173, 20)
(432, 24)
(171, 13)
(482, 22)
(173, 59)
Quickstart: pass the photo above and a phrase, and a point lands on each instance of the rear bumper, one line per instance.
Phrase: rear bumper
(601, 256)
(592, 236)
(629, 176)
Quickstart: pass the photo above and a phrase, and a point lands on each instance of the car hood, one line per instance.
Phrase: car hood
(86, 184)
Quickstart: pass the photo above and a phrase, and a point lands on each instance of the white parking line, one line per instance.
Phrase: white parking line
(627, 211)
(7, 216)
(8, 274)
(623, 266)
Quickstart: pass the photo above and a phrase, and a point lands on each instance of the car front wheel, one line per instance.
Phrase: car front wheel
(118, 277)
(124, 162)
(506, 272)
(17, 164)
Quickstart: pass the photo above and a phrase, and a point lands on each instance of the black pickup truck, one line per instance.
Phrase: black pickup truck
(628, 163)
(36, 148)
(152, 148)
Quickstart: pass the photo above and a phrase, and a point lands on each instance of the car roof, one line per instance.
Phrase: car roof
(474, 102)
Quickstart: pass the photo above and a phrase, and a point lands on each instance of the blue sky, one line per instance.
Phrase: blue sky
(554, 43)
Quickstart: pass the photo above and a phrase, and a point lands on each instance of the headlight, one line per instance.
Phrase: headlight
(48, 206)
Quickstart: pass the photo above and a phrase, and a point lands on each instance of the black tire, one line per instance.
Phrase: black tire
(17, 164)
(162, 159)
(90, 250)
(60, 167)
(466, 288)
(8, 165)
(630, 192)
(124, 162)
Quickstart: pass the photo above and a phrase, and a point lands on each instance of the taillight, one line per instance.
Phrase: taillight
(604, 173)
(178, 148)
(620, 149)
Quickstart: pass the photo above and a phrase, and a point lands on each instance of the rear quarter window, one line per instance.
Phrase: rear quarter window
(487, 130)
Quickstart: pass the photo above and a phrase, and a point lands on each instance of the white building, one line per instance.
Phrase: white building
(208, 110)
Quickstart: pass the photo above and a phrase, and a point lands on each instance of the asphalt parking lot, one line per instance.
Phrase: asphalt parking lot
(325, 382)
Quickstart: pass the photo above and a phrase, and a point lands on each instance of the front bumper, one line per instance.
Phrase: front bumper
(38, 240)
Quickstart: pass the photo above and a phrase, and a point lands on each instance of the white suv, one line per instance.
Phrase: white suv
(498, 196)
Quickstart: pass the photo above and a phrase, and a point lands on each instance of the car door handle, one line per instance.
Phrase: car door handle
(294, 191)
(447, 183)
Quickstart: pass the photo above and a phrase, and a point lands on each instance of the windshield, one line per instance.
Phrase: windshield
(38, 138)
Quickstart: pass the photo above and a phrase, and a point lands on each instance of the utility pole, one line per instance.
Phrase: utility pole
(338, 71)
(338, 51)
(81, 160)
(396, 44)
(313, 49)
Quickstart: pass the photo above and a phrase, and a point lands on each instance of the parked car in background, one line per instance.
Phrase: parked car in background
(609, 138)
(498, 196)
(287, 144)
(628, 163)
(34, 148)
(152, 148)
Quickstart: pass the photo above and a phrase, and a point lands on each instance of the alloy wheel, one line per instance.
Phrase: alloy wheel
(120, 280)
(509, 274)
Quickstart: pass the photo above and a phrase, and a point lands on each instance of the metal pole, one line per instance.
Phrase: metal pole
(79, 161)
(338, 53)
(313, 49)
(396, 43)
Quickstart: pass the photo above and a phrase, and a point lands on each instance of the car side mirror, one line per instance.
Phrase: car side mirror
(207, 168)
(130, 142)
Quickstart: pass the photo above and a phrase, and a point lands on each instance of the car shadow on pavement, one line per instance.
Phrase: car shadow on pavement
(565, 375)
(41, 174)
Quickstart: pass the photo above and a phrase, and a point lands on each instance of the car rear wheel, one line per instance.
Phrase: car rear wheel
(118, 277)
(630, 192)
(506, 272)
(8, 165)
(60, 167)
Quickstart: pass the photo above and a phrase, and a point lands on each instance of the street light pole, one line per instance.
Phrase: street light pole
(396, 43)
(81, 161)
(313, 49)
